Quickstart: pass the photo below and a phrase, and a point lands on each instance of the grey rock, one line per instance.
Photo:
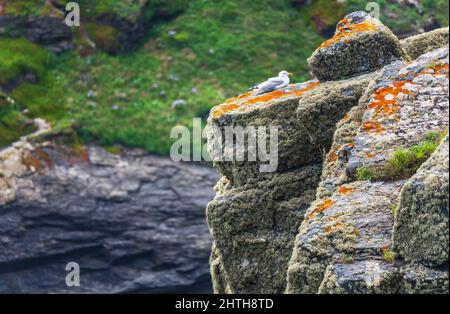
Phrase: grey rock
(109, 214)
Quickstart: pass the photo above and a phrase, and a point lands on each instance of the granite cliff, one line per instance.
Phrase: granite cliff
(359, 200)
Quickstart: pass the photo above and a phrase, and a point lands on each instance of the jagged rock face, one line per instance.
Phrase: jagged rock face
(347, 241)
(255, 216)
(254, 227)
(134, 223)
(361, 44)
(46, 31)
(346, 238)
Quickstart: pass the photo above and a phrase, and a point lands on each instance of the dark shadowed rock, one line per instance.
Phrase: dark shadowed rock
(49, 32)
(134, 223)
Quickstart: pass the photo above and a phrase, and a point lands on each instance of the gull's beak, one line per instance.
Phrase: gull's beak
(290, 74)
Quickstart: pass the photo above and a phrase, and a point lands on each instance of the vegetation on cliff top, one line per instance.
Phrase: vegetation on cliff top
(211, 51)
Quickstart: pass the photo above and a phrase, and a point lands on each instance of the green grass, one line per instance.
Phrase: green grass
(366, 173)
(218, 48)
(18, 57)
(404, 161)
(41, 98)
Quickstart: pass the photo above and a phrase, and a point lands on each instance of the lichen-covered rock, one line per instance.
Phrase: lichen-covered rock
(305, 116)
(254, 227)
(353, 225)
(361, 277)
(417, 45)
(405, 103)
(421, 232)
(417, 278)
(398, 109)
(350, 224)
(345, 241)
(360, 44)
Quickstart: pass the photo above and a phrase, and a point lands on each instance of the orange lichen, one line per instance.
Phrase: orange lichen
(372, 127)
(321, 208)
(248, 99)
(345, 118)
(337, 226)
(436, 69)
(332, 156)
(347, 29)
(443, 69)
(36, 160)
(385, 99)
(343, 190)
(385, 105)
(32, 162)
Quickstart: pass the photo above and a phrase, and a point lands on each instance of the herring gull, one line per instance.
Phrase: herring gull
(273, 83)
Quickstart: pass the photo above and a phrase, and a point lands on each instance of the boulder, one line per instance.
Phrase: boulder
(361, 44)
(295, 111)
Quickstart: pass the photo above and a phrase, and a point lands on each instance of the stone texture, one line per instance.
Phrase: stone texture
(134, 222)
(297, 111)
(361, 44)
(253, 228)
(417, 45)
(46, 31)
(352, 226)
(346, 237)
(421, 222)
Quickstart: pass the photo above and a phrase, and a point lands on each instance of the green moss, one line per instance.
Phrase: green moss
(393, 209)
(389, 256)
(365, 173)
(115, 150)
(105, 37)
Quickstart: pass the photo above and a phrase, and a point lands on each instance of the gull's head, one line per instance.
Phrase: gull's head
(284, 74)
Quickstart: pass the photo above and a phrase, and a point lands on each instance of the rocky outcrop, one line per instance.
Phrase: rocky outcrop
(421, 223)
(367, 215)
(49, 32)
(133, 222)
(417, 45)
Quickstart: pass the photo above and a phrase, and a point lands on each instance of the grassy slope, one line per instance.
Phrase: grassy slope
(220, 48)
